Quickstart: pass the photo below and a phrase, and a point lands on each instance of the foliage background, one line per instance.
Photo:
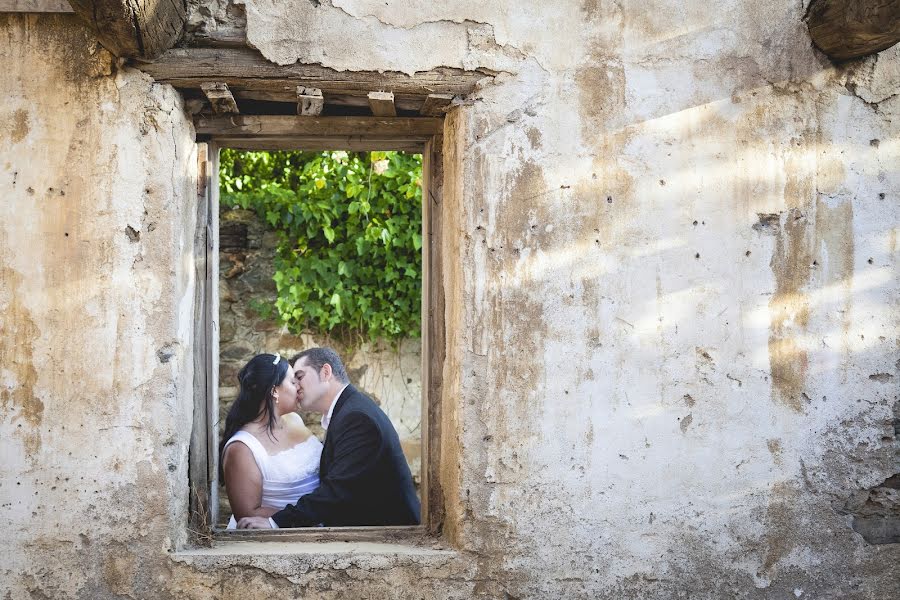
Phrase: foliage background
(349, 226)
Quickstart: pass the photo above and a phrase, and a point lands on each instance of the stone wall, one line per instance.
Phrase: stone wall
(671, 308)
(390, 375)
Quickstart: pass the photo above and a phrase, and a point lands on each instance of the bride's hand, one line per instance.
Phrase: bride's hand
(254, 523)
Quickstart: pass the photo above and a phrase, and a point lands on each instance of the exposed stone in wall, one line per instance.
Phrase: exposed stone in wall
(876, 512)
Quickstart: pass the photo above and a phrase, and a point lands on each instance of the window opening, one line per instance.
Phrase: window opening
(324, 248)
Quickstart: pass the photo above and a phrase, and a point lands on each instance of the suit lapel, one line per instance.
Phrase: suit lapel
(342, 399)
(327, 450)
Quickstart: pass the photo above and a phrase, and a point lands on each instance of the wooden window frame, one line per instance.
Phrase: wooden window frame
(421, 135)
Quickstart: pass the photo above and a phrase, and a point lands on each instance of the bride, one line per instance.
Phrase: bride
(268, 458)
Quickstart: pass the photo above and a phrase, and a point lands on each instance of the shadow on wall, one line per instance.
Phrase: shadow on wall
(716, 285)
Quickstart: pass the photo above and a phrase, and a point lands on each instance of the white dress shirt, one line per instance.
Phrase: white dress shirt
(326, 420)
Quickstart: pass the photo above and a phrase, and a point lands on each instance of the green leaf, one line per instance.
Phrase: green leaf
(349, 241)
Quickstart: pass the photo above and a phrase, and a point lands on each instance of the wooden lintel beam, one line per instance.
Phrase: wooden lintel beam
(435, 104)
(318, 143)
(284, 126)
(35, 6)
(846, 29)
(382, 104)
(405, 102)
(137, 29)
(309, 101)
(245, 70)
(220, 98)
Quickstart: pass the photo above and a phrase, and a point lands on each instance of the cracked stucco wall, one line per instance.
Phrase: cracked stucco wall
(96, 310)
(672, 317)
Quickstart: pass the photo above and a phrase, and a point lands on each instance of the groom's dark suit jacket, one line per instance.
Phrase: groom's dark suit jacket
(363, 476)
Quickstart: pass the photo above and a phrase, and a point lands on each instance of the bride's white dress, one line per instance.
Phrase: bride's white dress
(287, 475)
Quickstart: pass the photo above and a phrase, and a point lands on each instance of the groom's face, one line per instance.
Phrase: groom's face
(311, 387)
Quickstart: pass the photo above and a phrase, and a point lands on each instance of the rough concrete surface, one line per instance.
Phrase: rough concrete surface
(97, 172)
(670, 231)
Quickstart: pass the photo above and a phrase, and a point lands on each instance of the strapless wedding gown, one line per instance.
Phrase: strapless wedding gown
(287, 475)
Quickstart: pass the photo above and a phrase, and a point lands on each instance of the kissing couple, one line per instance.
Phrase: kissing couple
(276, 472)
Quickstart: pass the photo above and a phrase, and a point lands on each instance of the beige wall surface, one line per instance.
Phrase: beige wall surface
(672, 309)
(97, 175)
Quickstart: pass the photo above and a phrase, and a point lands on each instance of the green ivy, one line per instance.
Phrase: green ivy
(349, 257)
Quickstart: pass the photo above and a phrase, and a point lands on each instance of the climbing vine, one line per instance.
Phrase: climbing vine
(349, 227)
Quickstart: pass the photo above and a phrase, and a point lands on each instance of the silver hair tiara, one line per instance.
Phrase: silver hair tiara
(277, 358)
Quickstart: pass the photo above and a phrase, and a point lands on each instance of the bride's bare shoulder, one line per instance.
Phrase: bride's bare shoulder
(295, 425)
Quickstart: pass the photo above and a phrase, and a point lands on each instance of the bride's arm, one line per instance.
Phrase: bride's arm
(243, 482)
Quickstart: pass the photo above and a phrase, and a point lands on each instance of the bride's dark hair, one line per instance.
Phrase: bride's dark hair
(257, 379)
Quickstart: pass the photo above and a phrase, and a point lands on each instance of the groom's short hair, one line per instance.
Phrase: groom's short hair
(317, 357)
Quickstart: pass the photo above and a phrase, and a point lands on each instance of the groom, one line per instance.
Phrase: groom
(363, 476)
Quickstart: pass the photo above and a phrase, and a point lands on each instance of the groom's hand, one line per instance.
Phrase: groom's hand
(254, 523)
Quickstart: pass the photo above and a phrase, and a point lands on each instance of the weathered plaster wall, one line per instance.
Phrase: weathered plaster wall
(674, 323)
(695, 392)
(672, 314)
(96, 300)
